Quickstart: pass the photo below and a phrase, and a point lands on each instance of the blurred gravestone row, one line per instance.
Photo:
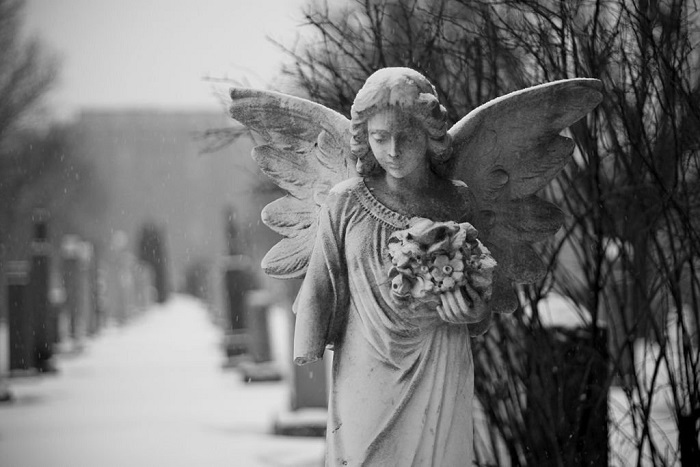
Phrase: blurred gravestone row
(66, 292)
(258, 328)
(62, 295)
(254, 325)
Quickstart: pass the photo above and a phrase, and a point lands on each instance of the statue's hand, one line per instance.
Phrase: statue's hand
(456, 309)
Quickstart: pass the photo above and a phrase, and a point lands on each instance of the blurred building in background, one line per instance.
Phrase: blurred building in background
(147, 171)
(152, 170)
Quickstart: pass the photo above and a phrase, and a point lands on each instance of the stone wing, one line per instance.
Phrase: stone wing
(305, 152)
(506, 151)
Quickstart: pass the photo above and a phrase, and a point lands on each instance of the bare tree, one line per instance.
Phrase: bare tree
(450, 43)
(26, 72)
(25, 76)
(627, 258)
(629, 254)
(37, 164)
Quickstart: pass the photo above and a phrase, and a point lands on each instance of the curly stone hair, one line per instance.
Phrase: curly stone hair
(413, 93)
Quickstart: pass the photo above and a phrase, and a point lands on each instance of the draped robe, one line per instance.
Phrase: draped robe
(402, 381)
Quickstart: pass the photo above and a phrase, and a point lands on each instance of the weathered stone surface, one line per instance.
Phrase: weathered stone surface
(404, 262)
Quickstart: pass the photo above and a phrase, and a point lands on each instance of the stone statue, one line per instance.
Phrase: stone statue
(410, 236)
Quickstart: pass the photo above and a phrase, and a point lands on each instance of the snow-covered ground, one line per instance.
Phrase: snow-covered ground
(623, 451)
(558, 311)
(152, 393)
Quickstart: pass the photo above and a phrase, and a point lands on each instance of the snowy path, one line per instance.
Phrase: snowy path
(149, 394)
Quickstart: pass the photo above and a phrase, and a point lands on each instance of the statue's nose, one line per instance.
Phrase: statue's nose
(393, 148)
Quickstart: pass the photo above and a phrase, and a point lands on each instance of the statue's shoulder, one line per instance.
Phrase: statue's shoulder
(347, 187)
(342, 202)
(343, 196)
(345, 191)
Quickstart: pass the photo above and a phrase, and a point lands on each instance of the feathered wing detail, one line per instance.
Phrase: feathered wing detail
(305, 152)
(506, 151)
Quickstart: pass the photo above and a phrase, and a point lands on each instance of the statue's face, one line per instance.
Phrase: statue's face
(398, 142)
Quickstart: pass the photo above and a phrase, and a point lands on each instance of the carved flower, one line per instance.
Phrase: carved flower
(429, 233)
(479, 270)
(412, 249)
(446, 272)
(400, 284)
(394, 247)
(421, 287)
(438, 265)
(430, 258)
(401, 259)
(447, 284)
(470, 232)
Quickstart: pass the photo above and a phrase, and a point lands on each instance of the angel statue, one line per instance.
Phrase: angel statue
(409, 236)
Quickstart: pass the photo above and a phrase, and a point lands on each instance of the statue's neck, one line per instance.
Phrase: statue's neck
(416, 182)
(413, 196)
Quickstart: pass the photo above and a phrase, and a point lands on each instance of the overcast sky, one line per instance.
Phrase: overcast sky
(155, 53)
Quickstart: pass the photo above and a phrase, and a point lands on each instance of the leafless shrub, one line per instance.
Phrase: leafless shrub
(627, 259)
